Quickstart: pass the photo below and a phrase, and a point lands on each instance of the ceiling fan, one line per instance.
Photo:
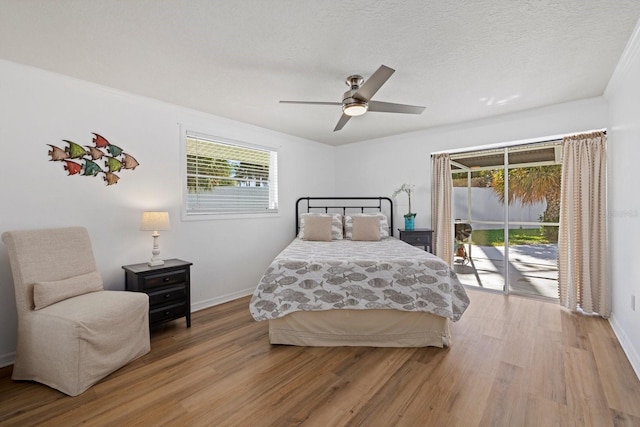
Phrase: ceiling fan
(357, 100)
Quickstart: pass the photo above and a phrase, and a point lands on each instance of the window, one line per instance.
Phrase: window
(224, 177)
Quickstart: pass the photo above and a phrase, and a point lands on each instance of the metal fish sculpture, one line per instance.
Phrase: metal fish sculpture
(129, 161)
(57, 153)
(75, 150)
(95, 153)
(91, 168)
(72, 167)
(110, 178)
(99, 141)
(114, 150)
(113, 164)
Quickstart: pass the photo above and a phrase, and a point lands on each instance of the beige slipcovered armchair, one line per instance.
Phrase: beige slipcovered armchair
(71, 332)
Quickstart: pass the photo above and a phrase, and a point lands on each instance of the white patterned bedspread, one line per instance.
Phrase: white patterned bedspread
(314, 276)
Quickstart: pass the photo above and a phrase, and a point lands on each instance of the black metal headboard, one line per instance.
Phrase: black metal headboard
(343, 204)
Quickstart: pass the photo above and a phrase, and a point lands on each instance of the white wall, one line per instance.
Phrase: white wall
(382, 165)
(623, 94)
(229, 256)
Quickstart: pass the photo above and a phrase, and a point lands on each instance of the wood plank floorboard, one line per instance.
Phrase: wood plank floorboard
(513, 362)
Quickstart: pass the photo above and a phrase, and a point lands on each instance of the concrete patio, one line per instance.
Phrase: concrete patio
(533, 269)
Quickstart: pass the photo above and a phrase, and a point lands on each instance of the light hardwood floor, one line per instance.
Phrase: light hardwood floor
(513, 362)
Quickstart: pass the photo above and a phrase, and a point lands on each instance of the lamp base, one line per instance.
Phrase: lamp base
(155, 262)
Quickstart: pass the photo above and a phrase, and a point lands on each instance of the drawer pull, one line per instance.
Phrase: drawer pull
(167, 296)
(166, 313)
(166, 279)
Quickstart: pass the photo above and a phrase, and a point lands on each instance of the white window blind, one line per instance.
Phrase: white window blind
(228, 178)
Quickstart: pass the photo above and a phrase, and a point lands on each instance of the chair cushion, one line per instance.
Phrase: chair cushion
(47, 293)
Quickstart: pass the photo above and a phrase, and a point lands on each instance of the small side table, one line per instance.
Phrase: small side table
(168, 287)
(417, 237)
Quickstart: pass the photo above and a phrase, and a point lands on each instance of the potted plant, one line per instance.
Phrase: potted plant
(409, 218)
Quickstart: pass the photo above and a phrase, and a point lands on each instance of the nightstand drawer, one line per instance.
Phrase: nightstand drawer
(417, 238)
(168, 287)
(163, 279)
(165, 295)
(167, 312)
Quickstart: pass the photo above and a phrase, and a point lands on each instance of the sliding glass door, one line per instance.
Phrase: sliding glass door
(506, 205)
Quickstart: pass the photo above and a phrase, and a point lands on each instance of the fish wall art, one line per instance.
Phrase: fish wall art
(87, 160)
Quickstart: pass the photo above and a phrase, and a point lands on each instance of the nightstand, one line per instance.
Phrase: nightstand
(417, 237)
(168, 287)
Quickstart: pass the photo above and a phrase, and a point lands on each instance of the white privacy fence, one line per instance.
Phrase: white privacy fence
(485, 206)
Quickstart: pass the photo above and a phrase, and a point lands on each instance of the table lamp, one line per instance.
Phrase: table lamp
(155, 221)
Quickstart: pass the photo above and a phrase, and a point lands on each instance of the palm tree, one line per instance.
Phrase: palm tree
(532, 185)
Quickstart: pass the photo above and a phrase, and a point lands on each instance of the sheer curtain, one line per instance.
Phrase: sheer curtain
(441, 196)
(582, 240)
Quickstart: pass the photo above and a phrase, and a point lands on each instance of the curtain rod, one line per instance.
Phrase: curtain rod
(501, 146)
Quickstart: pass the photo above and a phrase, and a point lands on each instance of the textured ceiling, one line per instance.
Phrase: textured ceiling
(463, 60)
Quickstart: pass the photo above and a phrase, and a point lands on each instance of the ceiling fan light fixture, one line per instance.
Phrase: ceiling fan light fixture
(355, 108)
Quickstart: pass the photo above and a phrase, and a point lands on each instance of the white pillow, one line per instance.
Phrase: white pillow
(47, 293)
(348, 225)
(336, 224)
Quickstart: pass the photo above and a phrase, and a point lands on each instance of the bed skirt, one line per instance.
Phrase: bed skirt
(358, 328)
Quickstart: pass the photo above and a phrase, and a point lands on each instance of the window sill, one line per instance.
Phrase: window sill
(227, 216)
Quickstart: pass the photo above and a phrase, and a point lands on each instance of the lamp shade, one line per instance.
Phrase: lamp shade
(155, 221)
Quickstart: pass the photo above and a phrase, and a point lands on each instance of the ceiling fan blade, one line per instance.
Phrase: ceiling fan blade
(374, 83)
(310, 102)
(343, 121)
(389, 107)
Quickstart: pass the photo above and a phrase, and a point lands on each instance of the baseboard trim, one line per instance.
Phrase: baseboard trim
(7, 359)
(626, 344)
(201, 305)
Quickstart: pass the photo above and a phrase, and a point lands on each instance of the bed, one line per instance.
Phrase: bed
(346, 281)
